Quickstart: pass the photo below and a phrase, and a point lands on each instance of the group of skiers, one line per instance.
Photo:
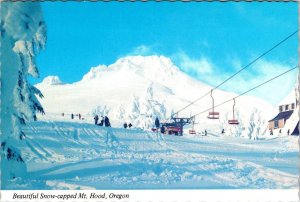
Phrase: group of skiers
(125, 125)
(288, 132)
(79, 116)
(104, 121)
(73, 115)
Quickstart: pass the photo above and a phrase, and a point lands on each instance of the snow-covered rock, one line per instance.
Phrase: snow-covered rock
(51, 80)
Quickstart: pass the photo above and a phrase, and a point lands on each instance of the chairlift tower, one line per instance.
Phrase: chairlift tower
(182, 122)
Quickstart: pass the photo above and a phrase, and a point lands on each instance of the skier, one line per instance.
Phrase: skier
(163, 129)
(130, 125)
(288, 132)
(72, 116)
(63, 114)
(157, 123)
(205, 133)
(125, 125)
(106, 121)
(79, 116)
(223, 131)
(271, 132)
(96, 118)
(101, 122)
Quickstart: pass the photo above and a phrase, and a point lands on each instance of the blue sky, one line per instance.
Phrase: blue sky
(209, 41)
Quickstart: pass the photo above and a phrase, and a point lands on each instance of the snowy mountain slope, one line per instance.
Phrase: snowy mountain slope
(52, 80)
(134, 84)
(66, 155)
(290, 98)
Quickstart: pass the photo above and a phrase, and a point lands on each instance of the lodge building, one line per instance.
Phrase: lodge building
(287, 119)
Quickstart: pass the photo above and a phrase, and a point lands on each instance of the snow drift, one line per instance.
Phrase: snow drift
(66, 155)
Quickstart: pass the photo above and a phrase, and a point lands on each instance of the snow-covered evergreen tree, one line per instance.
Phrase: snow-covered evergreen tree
(120, 114)
(23, 35)
(233, 130)
(101, 111)
(145, 109)
(251, 127)
(257, 125)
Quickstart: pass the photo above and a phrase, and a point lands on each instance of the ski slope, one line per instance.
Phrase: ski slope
(78, 155)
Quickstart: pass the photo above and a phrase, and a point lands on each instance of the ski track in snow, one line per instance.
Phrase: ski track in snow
(68, 155)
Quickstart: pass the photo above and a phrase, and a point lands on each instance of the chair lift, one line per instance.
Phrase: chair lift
(193, 131)
(233, 121)
(213, 114)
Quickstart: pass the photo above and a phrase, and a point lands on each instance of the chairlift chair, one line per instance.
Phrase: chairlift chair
(213, 114)
(154, 129)
(193, 131)
(233, 121)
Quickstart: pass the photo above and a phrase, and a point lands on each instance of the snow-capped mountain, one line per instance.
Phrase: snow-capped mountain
(51, 80)
(137, 89)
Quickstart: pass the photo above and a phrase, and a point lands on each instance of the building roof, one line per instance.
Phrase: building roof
(283, 115)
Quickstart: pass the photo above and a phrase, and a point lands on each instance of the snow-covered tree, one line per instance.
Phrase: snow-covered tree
(23, 35)
(233, 130)
(145, 109)
(251, 127)
(120, 114)
(256, 125)
(101, 111)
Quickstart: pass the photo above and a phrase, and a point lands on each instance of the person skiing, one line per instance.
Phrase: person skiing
(96, 118)
(163, 129)
(79, 116)
(288, 132)
(72, 116)
(125, 125)
(157, 122)
(102, 121)
(271, 132)
(130, 125)
(205, 133)
(106, 121)
(223, 131)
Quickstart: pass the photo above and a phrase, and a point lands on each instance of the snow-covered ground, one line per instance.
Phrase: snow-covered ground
(59, 153)
(64, 154)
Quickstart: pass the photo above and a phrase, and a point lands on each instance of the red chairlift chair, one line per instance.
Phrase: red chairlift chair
(213, 114)
(233, 121)
(193, 131)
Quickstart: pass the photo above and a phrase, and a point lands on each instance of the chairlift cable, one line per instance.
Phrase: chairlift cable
(248, 90)
(249, 64)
